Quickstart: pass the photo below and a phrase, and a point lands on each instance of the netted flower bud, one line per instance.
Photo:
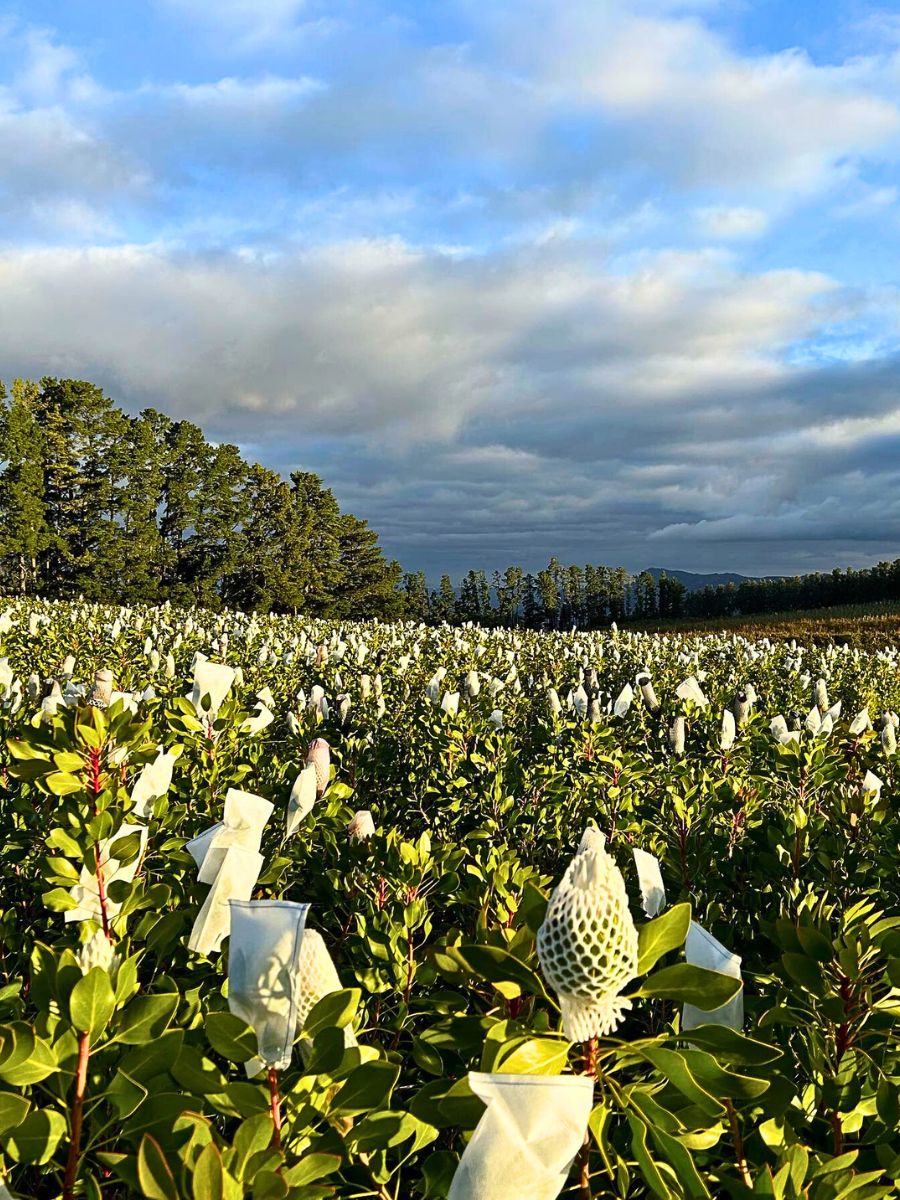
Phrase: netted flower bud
(319, 756)
(676, 736)
(741, 708)
(101, 693)
(588, 945)
(97, 951)
(727, 735)
(889, 739)
(361, 826)
(820, 696)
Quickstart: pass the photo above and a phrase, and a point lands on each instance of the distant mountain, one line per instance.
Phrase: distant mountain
(696, 583)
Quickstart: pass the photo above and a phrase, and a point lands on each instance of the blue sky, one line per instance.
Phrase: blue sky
(611, 281)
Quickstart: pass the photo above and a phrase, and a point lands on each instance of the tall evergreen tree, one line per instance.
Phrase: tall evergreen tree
(23, 526)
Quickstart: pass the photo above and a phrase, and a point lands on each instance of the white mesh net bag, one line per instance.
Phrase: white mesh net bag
(263, 961)
(525, 1142)
(588, 945)
(316, 977)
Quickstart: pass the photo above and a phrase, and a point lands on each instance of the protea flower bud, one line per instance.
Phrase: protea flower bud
(588, 946)
(319, 756)
(101, 693)
(361, 826)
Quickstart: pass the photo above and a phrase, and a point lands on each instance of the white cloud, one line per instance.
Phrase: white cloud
(722, 221)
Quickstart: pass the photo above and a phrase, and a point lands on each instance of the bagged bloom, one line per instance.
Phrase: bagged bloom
(261, 719)
(860, 723)
(650, 881)
(889, 739)
(318, 756)
(527, 1138)
(648, 694)
(212, 683)
(472, 684)
(690, 689)
(86, 892)
(317, 977)
(100, 694)
(302, 798)
(579, 700)
(701, 949)
(232, 873)
(814, 720)
(872, 785)
(97, 951)
(677, 736)
(592, 839)
(263, 961)
(496, 718)
(741, 708)
(153, 782)
(554, 702)
(623, 701)
(361, 826)
(729, 730)
(820, 695)
(450, 703)
(587, 945)
(243, 820)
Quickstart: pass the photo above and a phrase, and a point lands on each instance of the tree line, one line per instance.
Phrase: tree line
(98, 503)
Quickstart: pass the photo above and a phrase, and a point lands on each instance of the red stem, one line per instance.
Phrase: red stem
(275, 1103)
(84, 1053)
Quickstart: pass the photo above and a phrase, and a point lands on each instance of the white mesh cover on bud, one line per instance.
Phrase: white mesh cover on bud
(97, 951)
(101, 693)
(527, 1139)
(87, 891)
(317, 977)
(592, 839)
(587, 945)
(361, 826)
(302, 799)
(154, 781)
(212, 681)
(263, 959)
(729, 730)
(701, 949)
(650, 880)
(319, 756)
(677, 736)
(889, 739)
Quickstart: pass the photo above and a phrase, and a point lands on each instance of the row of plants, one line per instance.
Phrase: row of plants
(482, 994)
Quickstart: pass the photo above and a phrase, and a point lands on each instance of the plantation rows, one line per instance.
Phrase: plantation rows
(276, 914)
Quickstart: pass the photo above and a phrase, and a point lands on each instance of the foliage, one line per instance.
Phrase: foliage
(121, 1066)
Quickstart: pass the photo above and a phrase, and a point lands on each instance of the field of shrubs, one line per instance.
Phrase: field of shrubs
(294, 908)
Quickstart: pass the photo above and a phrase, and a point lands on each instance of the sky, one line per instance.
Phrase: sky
(615, 280)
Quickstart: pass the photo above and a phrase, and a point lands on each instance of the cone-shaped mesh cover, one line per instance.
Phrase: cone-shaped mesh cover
(587, 945)
(316, 977)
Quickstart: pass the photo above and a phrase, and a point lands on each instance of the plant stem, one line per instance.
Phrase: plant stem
(584, 1154)
(275, 1103)
(84, 1053)
(738, 1143)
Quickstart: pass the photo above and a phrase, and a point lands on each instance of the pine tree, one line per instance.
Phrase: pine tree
(23, 528)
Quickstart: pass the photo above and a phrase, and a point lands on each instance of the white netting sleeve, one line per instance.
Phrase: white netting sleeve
(587, 945)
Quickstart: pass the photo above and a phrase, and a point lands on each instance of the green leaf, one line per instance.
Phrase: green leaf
(673, 1064)
(231, 1037)
(336, 1010)
(61, 783)
(155, 1175)
(36, 1138)
(13, 1110)
(496, 966)
(92, 1002)
(533, 1056)
(209, 1175)
(124, 1094)
(145, 1018)
(312, 1167)
(642, 1157)
(661, 935)
(368, 1087)
(687, 984)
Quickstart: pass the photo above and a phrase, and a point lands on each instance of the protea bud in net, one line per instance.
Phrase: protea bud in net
(317, 977)
(588, 945)
(319, 756)
(101, 693)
